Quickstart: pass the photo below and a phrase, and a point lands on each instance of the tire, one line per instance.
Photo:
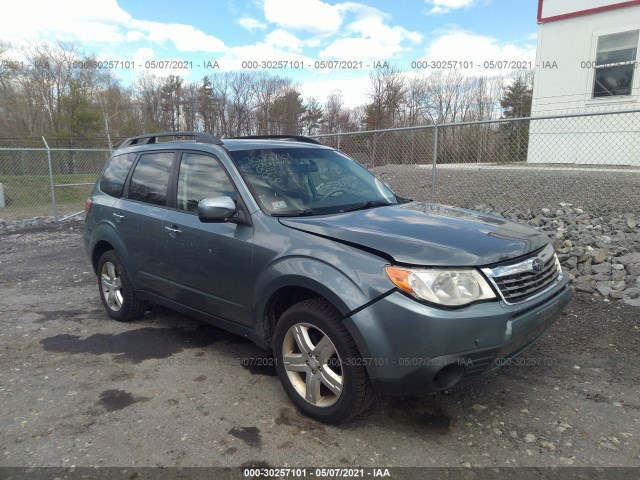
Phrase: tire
(116, 289)
(332, 386)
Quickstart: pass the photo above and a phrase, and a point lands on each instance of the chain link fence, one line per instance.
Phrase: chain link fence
(47, 181)
(590, 160)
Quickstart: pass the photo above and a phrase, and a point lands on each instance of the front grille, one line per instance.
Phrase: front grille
(519, 282)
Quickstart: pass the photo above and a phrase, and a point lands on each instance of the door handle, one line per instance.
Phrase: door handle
(118, 216)
(173, 230)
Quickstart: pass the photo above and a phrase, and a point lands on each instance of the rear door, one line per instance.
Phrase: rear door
(139, 215)
(209, 265)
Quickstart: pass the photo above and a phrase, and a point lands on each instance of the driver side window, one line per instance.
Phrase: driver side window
(201, 176)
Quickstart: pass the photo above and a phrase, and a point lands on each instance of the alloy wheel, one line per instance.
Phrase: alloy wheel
(111, 284)
(312, 364)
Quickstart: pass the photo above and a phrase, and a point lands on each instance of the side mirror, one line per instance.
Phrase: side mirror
(216, 209)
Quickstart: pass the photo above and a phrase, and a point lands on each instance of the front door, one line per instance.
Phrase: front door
(208, 265)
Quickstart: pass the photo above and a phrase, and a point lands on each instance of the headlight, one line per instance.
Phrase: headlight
(445, 287)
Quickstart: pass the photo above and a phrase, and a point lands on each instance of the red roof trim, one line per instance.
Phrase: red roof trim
(581, 13)
(539, 11)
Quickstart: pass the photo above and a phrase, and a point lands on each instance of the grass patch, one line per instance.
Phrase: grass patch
(30, 195)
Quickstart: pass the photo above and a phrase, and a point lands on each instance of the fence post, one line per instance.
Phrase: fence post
(435, 161)
(53, 188)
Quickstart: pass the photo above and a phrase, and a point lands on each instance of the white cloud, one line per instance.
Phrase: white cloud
(70, 20)
(98, 21)
(354, 90)
(251, 24)
(143, 54)
(467, 46)
(184, 37)
(282, 39)
(372, 39)
(312, 16)
(445, 6)
(134, 36)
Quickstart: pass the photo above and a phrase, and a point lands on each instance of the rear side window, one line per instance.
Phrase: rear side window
(151, 177)
(116, 173)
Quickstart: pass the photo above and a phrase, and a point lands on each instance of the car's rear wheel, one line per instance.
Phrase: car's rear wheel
(116, 289)
(318, 363)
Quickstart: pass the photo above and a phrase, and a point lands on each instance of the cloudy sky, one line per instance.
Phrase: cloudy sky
(231, 32)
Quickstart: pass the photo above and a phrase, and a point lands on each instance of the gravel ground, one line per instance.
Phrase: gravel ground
(79, 389)
(613, 190)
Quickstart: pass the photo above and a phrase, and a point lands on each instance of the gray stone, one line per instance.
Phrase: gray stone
(608, 445)
(618, 275)
(617, 285)
(629, 258)
(633, 270)
(632, 223)
(604, 290)
(601, 268)
(585, 288)
(634, 302)
(583, 279)
(585, 268)
(571, 262)
(632, 292)
(617, 294)
(599, 255)
(577, 251)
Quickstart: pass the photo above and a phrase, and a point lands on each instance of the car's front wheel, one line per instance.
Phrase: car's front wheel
(116, 290)
(318, 363)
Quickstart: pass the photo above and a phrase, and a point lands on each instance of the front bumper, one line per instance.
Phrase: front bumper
(411, 349)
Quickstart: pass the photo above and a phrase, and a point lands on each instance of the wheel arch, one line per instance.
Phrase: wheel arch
(107, 238)
(283, 291)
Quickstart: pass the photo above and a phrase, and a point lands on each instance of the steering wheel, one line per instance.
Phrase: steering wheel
(328, 194)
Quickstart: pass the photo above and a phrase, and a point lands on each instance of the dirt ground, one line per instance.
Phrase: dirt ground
(77, 388)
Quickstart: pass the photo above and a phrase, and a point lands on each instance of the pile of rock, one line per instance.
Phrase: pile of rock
(600, 251)
(31, 222)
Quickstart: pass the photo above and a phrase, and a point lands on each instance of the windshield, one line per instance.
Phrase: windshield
(309, 181)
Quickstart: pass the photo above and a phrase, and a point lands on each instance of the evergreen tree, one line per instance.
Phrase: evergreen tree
(516, 103)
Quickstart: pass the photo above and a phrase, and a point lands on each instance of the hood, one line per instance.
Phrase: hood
(426, 234)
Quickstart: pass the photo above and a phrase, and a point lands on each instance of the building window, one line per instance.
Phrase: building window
(616, 56)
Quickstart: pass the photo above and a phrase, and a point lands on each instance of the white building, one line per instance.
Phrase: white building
(587, 61)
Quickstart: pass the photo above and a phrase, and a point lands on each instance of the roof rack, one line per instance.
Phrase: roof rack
(295, 138)
(201, 137)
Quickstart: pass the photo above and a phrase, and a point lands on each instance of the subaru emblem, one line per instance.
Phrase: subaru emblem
(537, 264)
